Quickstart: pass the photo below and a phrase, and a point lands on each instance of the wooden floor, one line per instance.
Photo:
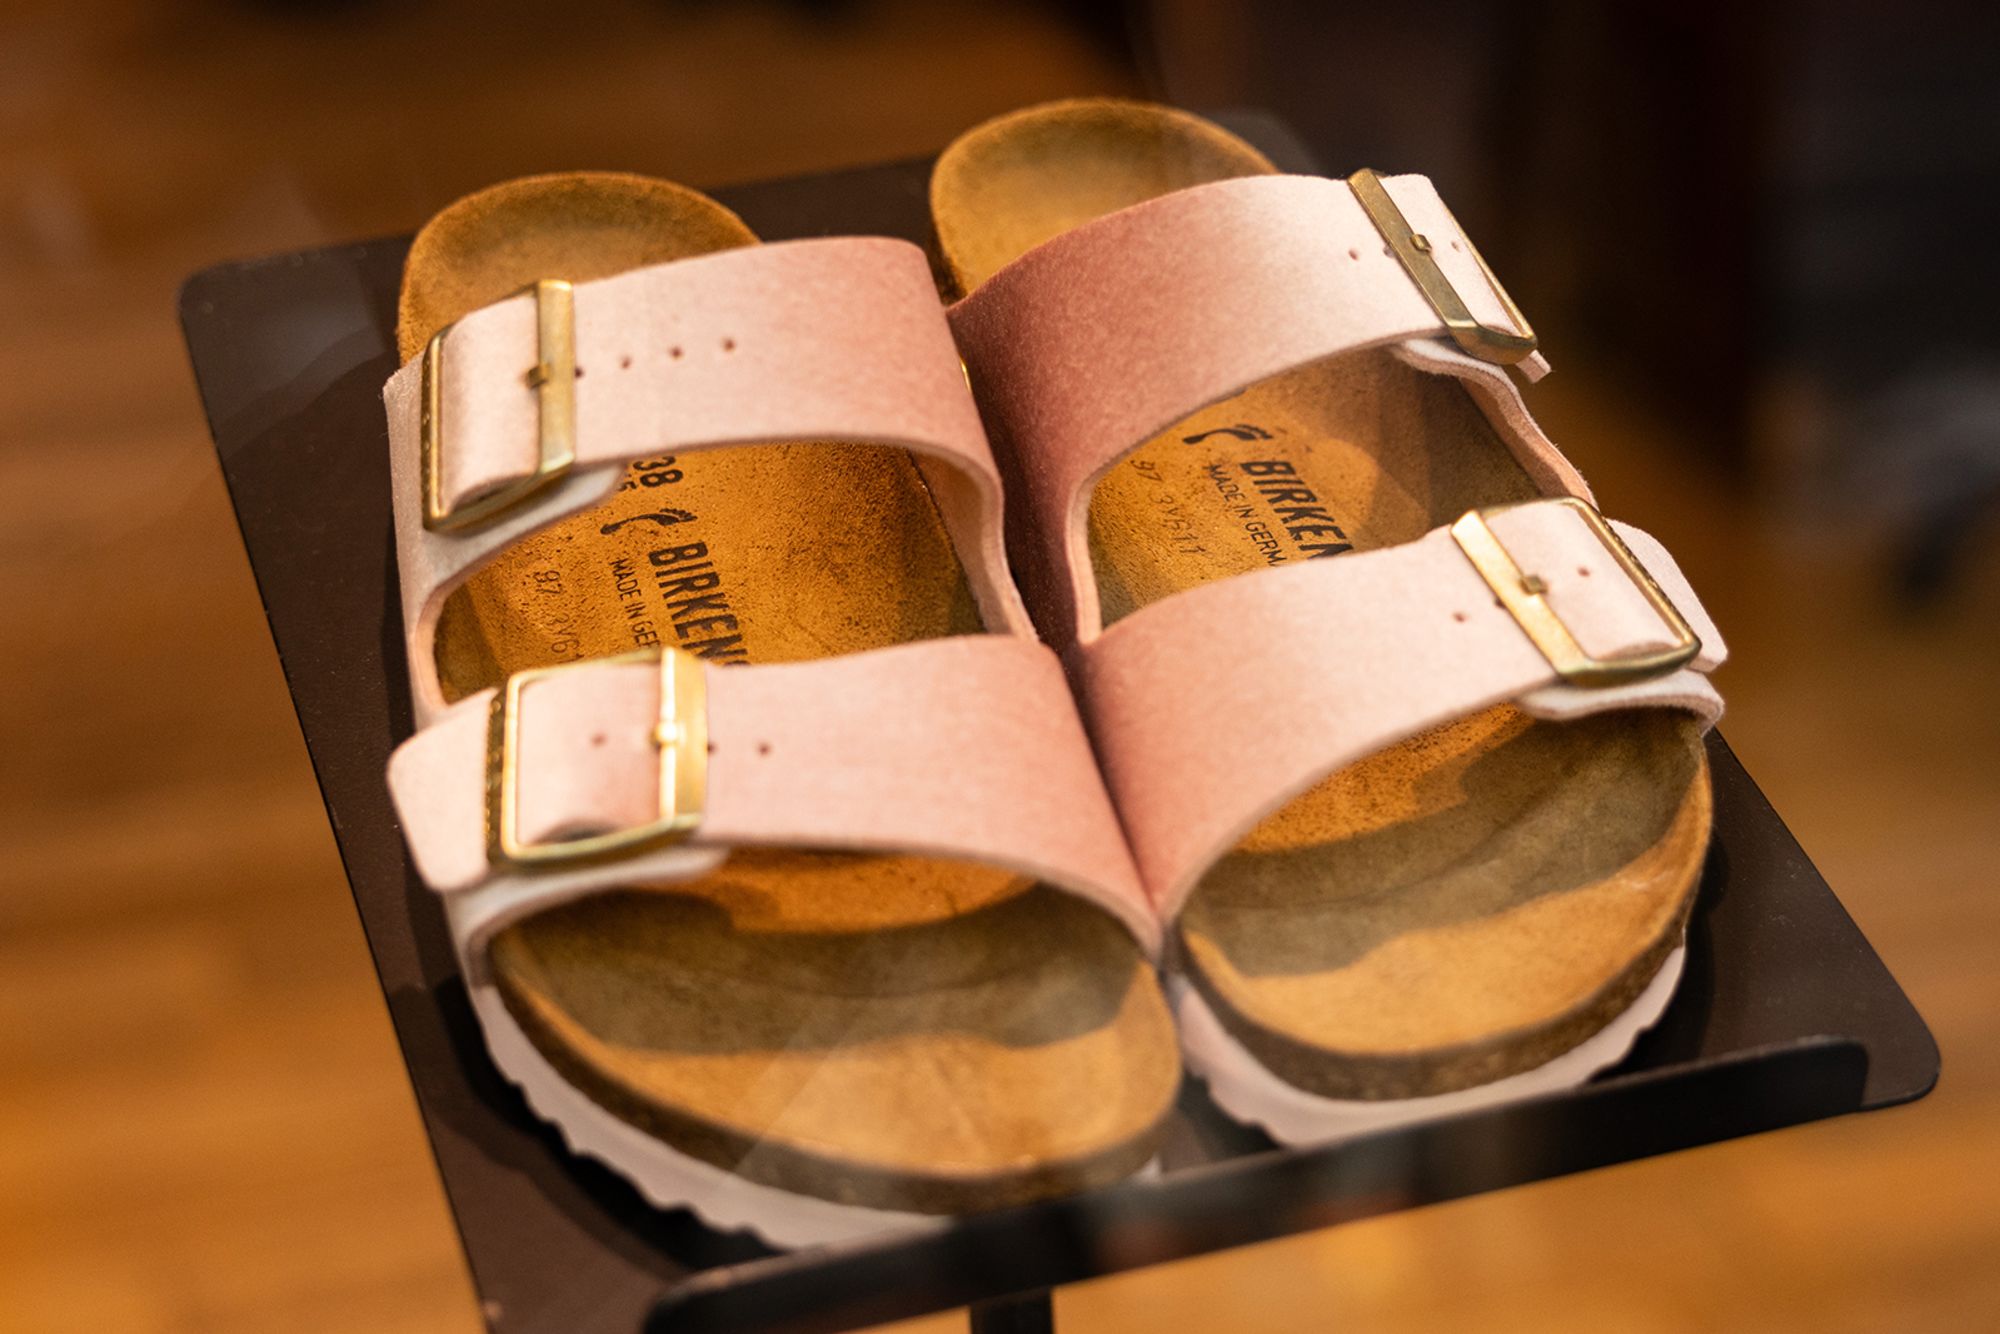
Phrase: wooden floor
(203, 1121)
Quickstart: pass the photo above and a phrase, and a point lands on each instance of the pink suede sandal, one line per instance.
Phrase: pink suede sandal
(776, 885)
(1407, 740)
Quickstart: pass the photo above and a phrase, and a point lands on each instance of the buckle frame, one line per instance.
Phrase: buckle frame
(1502, 347)
(553, 378)
(680, 733)
(1523, 597)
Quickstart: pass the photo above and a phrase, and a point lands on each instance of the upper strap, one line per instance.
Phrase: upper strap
(967, 748)
(1094, 342)
(1327, 662)
(834, 340)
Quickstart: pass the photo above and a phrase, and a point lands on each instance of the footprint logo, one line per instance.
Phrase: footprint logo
(1240, 431)
(664, 518)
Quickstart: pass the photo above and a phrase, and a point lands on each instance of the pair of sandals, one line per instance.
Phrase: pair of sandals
(795, 877)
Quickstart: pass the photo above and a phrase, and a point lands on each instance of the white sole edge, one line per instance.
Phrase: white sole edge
(668, 1178)
(1243, 1087)
(1246, 1089)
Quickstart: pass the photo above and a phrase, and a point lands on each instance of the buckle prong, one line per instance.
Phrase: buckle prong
(552, 377)
(1488, 342)
(680, 732)
(1523, 596)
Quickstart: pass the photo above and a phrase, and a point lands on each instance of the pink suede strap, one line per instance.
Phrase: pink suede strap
(1094, 342)
(1204, 734)
(966, 748)
(1212, 708)
(823, 340)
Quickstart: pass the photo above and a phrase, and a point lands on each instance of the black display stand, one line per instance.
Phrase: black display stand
(1785, 1014)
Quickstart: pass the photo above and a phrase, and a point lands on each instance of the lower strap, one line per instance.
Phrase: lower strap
(965, 748)
(1215, 707)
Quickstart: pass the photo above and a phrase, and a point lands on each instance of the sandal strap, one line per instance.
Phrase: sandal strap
(835, 340)
(967, 748)
(1327, 662)
(1094, 342)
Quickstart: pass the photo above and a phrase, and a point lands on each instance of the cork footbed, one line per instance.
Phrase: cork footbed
(1461, 907)
(891, 1032)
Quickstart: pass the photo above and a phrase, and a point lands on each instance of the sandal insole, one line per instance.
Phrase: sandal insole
(1458, 908)
(887, 1031)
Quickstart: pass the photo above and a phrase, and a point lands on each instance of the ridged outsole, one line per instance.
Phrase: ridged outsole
(667, 1178)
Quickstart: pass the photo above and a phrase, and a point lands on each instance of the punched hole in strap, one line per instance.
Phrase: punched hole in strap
(679, 731)
(1524, 596)
(1488, 342)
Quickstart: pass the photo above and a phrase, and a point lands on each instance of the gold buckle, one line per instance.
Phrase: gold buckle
(1523, 597)
(681, 733)
(553, 378)
(1501, 346)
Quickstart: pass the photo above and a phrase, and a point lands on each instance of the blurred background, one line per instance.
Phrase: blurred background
(1759, 242)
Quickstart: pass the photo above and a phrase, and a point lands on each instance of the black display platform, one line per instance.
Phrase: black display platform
(1785, 1014)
